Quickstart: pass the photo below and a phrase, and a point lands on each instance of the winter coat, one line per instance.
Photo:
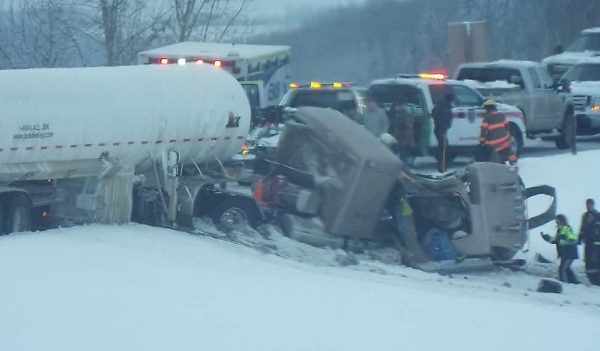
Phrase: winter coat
(587, 234)
(376, 121)
(493, 131)
(442, 116)
(566, 242)
(403, 128)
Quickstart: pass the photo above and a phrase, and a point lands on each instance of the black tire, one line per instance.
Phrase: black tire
(235, 212)
(502, 254)
(516, 138)
(567, 134)
(18, 214)
(2, 224)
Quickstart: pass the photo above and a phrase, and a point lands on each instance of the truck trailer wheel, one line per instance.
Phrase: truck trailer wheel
(236, 212)
(567, 133)
(17, 213)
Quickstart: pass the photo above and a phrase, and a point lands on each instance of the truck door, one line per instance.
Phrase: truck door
(555, 100)
(467, 112)
(541, 100)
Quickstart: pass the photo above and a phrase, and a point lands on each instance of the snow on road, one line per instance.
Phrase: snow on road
(135, 287)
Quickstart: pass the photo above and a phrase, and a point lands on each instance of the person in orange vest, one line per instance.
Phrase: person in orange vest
(495, 136)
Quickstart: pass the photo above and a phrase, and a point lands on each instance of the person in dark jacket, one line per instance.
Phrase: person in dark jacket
(589, 236)
(402, 127)
(494, 136)
(566, 246)
(442, 120)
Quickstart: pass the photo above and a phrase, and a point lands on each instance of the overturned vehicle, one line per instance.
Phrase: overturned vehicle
(333, 184)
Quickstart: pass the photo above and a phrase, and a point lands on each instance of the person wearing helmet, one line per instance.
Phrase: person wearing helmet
(566, 247)
(494, 136)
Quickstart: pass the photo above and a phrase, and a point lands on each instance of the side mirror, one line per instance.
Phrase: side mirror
(564, 85)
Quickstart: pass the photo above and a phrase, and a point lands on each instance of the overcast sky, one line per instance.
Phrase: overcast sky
(287, 7)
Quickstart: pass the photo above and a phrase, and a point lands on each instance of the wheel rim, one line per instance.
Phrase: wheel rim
(234, 217)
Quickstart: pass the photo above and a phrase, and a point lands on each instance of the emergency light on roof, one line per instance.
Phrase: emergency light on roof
(315, 85)
(163, 61)
(199, 61)
(294, 86)
(181, 61)
(436, 76)
(218, 63)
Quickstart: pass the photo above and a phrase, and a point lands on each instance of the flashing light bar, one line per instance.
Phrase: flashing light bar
(436, 76)
(181, 61)
(315, 85)
(199, 61)
(294, 86)
(218, 63)
(163, 61)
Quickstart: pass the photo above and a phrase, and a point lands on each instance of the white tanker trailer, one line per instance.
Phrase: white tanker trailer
(108, 143)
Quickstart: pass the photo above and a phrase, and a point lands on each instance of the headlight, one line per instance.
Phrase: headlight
(595, 105)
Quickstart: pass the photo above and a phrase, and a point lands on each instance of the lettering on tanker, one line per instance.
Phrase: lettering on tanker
(33, 131)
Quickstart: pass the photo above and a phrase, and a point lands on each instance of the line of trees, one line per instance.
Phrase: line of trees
(386, 37)
(61, 33)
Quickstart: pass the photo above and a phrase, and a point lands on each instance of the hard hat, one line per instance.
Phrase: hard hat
(388, 139)
(489, 102)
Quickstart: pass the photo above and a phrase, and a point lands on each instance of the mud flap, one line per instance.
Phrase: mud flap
(454, 266)
(550, 213)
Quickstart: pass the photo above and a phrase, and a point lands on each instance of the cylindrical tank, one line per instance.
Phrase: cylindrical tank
(131, 113)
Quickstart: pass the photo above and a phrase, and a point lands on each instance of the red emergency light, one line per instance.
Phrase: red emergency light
(163, 61)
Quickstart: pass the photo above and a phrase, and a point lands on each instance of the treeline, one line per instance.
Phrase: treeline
(62, 33)
(386, 37)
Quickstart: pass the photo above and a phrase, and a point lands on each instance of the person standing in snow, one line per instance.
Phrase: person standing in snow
(566, 246)
(403, 129)
(374, 118)
(442, 119)
(494, 136)
(589, 236)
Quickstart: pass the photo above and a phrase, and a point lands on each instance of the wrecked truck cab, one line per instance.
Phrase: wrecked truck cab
(334, 185)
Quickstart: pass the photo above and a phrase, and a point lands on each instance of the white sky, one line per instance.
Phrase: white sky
(134, 287)
(284, 7)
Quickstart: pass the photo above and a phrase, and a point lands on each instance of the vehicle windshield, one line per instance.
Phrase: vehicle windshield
(490, 74)
(590, 41)
(339, 99)
(585, 72)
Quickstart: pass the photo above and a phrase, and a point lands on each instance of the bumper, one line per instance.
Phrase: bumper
(588, 123)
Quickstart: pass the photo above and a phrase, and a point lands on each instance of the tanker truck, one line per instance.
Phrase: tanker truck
(113, 144)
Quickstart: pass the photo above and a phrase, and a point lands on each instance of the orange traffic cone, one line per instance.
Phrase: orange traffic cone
(258, 191)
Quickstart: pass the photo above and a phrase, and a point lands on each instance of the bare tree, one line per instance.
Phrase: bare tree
(120, 27)
(207, 19)
(35, 34)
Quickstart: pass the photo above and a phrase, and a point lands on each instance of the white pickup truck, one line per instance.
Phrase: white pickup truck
(547, 106)
(585, 86)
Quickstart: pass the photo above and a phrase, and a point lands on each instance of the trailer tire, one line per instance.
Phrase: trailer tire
(236, 212)
(18, 215)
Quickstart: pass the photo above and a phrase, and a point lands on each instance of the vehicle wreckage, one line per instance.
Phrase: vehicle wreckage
(333, 184)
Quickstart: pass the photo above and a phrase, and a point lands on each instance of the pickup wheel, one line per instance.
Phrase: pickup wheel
(567, 133)
(516, 138)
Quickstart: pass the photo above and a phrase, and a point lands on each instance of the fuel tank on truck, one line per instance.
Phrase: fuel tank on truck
(131, 113)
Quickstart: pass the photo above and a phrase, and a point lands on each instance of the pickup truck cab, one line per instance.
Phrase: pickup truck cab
(585, 46)
(423, 91)
(585, 87)
(547, 106)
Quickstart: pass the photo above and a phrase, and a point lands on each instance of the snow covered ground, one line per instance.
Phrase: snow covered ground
(135, 287)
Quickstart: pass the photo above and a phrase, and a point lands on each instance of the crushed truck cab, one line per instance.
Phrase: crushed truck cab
(328, 190)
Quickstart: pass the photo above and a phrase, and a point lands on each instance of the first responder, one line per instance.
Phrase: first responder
(589, 236)
(494, 136)
(566, 246)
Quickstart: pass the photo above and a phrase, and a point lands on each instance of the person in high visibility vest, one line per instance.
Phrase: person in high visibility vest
(566, 246)
(494, 136)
